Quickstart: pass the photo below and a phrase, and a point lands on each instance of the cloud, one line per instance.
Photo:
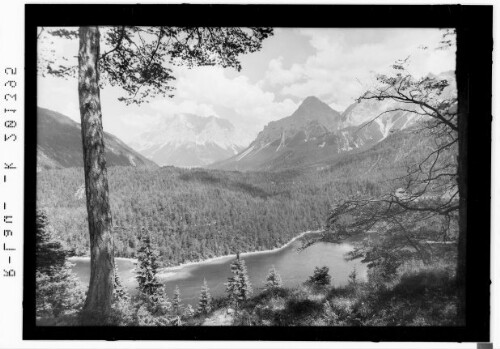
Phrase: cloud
(170, 107)
(59, 95)
(336, 65)
(277, 75)
(203, 91)
(346, 61)
(252, 105)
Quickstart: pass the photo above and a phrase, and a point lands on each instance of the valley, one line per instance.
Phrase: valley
(286, 182)
(195, 214)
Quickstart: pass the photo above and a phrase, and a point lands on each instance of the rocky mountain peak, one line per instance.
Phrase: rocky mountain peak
(311, 114)
(311, 100)
(312, 108)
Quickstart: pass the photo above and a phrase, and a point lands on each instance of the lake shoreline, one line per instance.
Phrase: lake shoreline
(169, 271)
(242, 254)
(294, 268)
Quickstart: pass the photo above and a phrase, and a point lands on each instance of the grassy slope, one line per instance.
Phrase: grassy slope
(419, 298)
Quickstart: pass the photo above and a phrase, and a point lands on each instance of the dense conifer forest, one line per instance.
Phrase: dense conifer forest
(194, 214)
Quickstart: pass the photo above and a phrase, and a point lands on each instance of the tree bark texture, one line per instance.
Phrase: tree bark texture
(98, 303)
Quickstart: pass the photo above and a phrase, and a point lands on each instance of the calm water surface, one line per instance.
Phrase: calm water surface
(293, 266)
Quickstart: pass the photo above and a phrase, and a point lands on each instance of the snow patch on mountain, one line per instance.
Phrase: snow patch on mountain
(282, 142)
(187, 128)
(245, 153)
(189, 140)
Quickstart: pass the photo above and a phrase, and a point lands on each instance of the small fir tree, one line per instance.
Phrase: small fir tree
(154, 304)
(59, 293)
(119, 292)
(58, 290)
(238, 286)
(122, 310)
(273, 279)
(176, 301)
(50, 254)
(353, 277)
(147, 262)
(205, 302)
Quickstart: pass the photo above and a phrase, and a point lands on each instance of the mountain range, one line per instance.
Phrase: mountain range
(313, 136)
(59, 144)
(315, 133)
(187, 140)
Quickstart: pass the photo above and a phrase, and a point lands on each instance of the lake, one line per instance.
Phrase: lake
(293, 266)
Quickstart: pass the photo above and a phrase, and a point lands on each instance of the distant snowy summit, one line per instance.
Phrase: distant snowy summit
(187, 140)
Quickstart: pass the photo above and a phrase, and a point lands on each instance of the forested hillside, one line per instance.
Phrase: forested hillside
(195, 214)
(59, 144)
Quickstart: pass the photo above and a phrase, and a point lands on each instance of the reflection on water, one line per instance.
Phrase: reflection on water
(294, 267)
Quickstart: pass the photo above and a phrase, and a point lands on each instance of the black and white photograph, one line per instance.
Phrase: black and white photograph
(268, 176)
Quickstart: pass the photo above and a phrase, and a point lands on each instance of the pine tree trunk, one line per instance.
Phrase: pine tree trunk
(98, 303)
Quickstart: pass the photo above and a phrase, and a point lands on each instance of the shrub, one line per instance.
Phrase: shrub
(122, 313)
(298, 311)
(244, 318)
(189, 311)
(320, 278)
(154, 310)
(383, 272)
(273, 279)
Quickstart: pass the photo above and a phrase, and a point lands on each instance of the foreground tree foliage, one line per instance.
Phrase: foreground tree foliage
(416, 297)
(418, 219)
(138, 59)
(59, 294)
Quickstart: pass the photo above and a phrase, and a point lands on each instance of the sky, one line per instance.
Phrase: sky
(333, 64)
